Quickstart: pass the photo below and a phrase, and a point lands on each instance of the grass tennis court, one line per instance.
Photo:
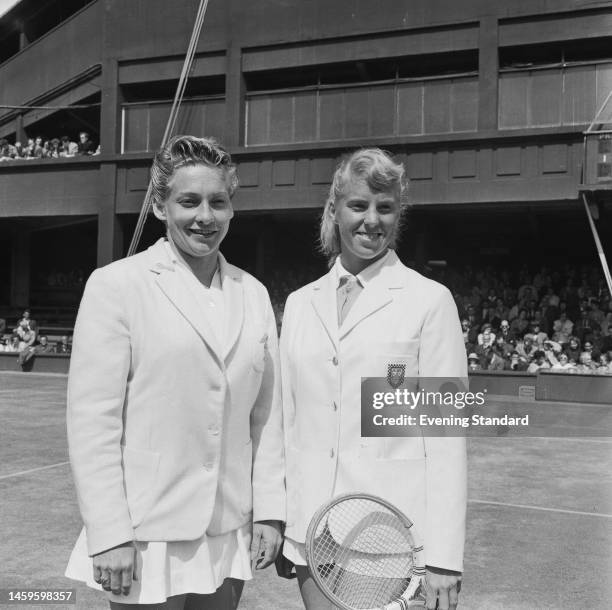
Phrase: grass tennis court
(539, 516)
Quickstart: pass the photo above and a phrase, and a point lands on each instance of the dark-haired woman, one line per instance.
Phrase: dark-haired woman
(174, 419)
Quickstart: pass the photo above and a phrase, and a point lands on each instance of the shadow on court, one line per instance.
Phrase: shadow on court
(539, 518)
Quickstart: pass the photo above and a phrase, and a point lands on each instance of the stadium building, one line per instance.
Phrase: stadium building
(485, 102)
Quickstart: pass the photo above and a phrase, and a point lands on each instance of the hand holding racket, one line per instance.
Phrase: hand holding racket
(363, 554)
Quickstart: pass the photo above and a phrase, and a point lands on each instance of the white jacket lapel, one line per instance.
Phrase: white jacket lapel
(171, 284)
(324, 303)
(378, 293)
(234, 297)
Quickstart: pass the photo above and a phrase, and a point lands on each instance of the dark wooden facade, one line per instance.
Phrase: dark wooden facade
(486, 102)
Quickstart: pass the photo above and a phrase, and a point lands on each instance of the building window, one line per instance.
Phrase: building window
(411, 96)
(553, 85)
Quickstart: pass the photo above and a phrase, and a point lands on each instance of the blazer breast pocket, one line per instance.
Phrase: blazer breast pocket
(139, 472)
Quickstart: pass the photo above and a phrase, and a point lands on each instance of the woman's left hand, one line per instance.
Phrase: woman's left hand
(267, 538)
(442, 588)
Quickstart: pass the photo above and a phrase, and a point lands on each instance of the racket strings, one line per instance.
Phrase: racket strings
(363, 553)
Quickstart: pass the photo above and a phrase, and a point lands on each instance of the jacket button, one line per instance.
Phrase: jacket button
(332, 453)
(335, 361)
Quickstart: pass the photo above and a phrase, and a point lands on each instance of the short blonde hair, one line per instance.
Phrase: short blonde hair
(381, 174)
(189, 150)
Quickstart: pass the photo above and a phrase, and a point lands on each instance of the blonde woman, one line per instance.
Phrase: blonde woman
(368, 313)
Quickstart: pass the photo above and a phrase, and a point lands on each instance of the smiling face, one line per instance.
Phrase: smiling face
(197, 210)
(367, 223)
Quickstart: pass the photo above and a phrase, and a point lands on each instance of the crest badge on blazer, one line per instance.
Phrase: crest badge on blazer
(396, 373)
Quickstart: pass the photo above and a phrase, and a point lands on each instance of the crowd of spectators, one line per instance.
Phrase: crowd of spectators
(56, 148)
(556, 319)
(559, 320)
(27, 343)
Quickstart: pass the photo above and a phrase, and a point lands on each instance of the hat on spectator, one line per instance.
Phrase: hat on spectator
(473, 356)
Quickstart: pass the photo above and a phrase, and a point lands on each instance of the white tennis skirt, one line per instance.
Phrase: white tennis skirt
(164, 569)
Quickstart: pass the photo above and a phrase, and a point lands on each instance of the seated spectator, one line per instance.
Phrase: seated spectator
(43, 347)
(585, 325)
(30, 324)
(494, 360)
(11, 344)
(526, 348)
(539, 362)
(516, 362)
(63, 347)
(85, 146)
(5, 153)
(562, 328)
(19, 152)
(518, 326)
(560, 362)
(586, 364)
(603, 365)
(504, 330)
(25, 335)
(538, 337)
(486, 338)
(54, 149)
(38, 151)
(573, 349)
(474, 363)
(504, 347)
(68, 148)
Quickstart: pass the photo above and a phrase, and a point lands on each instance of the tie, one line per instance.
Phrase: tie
(348, 291)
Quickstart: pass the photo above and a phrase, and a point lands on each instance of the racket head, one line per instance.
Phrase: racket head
(363, 554)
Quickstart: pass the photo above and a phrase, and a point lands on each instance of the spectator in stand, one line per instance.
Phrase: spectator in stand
(11, 344)
(603, 365)
(516, 362)
(43, 347)
(5, 153)
(494, 360)
(68, 148)
(526, 348)
(29, 323)
(54, 149)
(560, 363)
(38, 151)
(28, 151)
(539, 362)
(26, 336)
(503, 346)
(585, 325)
(573, 349)
(519, 325)
(504, 330)
(586, 365)
(85, 146)
(63, 347)
(486, 338)
(562, 328)
(539, 337)
(474, 362)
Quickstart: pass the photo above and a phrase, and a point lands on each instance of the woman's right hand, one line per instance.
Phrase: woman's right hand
(116, 568)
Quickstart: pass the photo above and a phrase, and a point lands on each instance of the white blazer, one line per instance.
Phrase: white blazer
(161, 421)
(400, 317)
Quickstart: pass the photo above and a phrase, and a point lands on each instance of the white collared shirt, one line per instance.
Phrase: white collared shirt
(211, 300)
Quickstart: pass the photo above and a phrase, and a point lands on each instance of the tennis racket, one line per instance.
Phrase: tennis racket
(363, 554)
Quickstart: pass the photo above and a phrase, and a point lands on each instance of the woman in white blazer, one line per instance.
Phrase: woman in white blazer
(174, 415)
(367, 313)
